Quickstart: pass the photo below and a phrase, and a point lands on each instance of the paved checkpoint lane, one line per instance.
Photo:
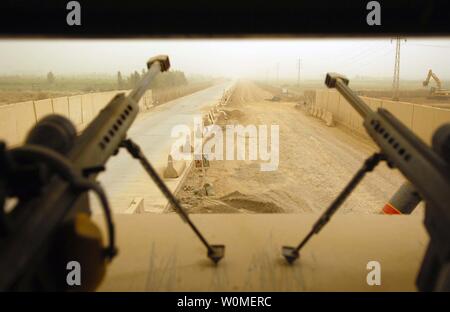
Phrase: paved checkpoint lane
(124, 178)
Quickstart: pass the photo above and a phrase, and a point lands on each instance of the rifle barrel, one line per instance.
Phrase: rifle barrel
(145, 82)
(340, 82)
(362, 108)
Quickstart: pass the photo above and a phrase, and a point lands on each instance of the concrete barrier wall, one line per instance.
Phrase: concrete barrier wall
(26, 120)
(422, 123)
(8, 131)
(99, 100)
(401, 110)
(321, 98)
(344, 113)
(75, 113)
(43, 108)
(440, 116)
(333, 102)
(17, 119)
(422, 120)
(61, 106)
(87, 109)
(373, 103)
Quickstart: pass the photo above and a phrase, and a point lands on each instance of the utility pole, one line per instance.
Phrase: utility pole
(298, 76)
(396, 80)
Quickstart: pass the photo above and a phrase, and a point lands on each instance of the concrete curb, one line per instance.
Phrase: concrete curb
(322, 114)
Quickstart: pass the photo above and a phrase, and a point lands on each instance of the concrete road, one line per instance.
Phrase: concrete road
(124, 178)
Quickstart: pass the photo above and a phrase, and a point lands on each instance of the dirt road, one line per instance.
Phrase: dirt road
(315, 163)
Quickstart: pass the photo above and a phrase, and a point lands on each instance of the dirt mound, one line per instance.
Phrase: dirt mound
(232, 116)
(235, 113)
(208, 205)
(250, 203)
(234, 202)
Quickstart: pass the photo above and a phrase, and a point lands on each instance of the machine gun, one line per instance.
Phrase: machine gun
(49, 229)
(428, 169)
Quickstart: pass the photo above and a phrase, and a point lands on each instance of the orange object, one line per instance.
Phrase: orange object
(390, 210)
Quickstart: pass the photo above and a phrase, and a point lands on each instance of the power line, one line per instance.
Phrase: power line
(363, 53)
(370, 56)
(372, 60)
(357, 51)
(375, 56)
(429, 45)
(362, 56)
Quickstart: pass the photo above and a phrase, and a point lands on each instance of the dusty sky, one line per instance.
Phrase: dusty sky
(246, 58)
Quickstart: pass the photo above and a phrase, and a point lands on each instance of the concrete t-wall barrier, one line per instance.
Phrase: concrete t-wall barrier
(43, 108)
(26, 120)
(422, 120)
(61, 106)
(75, 114)
(401, 110)
(333, 102)
(440, 116)
(373, 103)
(422, 124)
(87, 108)
(99, 100)
(321, 98)
(8, 131)
(17, 119)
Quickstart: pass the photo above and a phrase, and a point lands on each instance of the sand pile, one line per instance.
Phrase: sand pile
(231, 203)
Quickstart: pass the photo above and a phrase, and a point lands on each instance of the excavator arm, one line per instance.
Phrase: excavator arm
(436, 79)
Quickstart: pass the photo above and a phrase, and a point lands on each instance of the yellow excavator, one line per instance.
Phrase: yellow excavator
(438, 92)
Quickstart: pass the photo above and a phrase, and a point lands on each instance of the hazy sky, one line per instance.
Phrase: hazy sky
(247, 58)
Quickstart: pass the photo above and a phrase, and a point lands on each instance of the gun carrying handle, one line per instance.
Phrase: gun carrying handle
(162, 60)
